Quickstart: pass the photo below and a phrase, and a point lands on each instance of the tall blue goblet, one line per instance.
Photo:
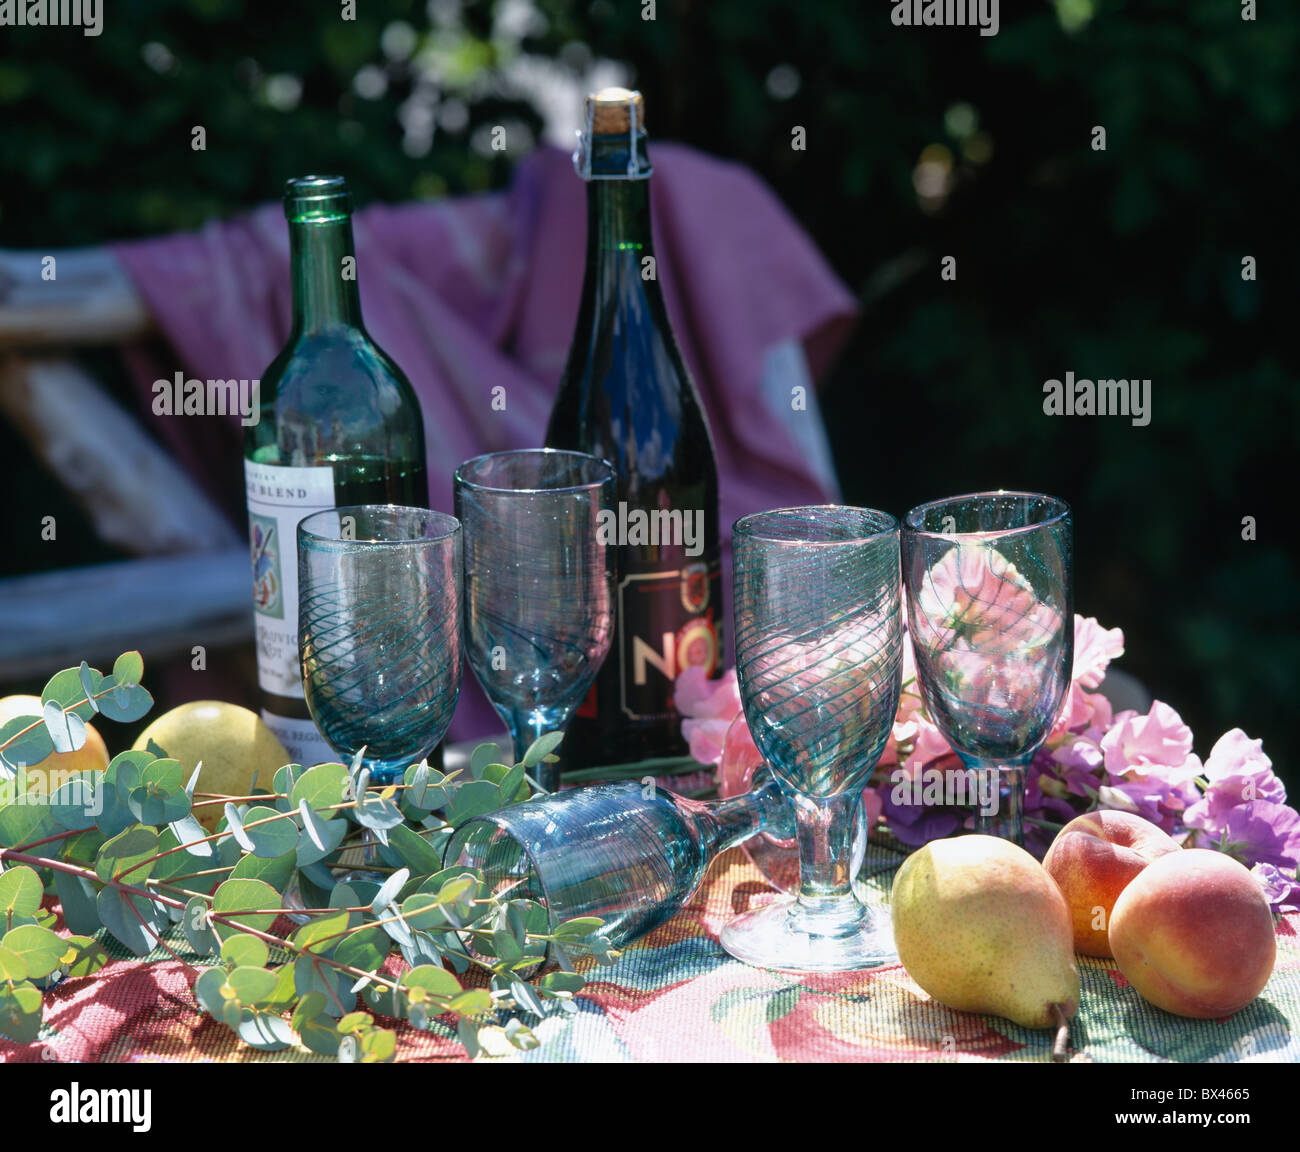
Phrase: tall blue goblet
(539, 584)
(819, 659)
(990, 611)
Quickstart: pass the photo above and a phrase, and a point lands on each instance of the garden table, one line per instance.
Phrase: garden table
(674, 995)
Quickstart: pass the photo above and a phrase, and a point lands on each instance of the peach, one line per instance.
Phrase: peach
(1193, 933)
(1092, 860)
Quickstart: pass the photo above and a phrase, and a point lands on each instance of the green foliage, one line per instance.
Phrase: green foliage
(127, 860)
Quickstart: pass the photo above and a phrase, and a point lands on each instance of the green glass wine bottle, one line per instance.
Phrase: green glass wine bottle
(339, 424)
(626, 396)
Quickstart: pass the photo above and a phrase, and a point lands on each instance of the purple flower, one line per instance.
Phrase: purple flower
(1239, 772)
(1282, 891)
(1261, 832)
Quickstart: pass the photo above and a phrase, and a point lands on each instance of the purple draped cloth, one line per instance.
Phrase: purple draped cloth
(474, 292)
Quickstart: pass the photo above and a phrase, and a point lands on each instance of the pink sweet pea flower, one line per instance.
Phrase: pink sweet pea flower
(1150, 767)
(708, 707)
(1159, 739)
(974, 595)
(1094, 648)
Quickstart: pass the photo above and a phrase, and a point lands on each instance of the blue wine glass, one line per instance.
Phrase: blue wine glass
(990, 611)
(631, 854)
(819, 662)
(539, 584)
(379, 589)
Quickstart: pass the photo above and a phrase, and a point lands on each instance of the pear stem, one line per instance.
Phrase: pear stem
(1061, 1045)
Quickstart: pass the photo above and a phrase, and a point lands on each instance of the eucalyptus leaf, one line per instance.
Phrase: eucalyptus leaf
(77, 896)
(24, 741)
(473, 798)
(272, 833)
(561, 982)
(20, 1012)
(197, 929)
(251, 985)
(431, 980)
(321, 787)
(12, 966)
(207, 991)
(90, 681)
(126, 769)
(67, 729)
(74, 803)
(322, 933)
(189, 832)
(128, 856)
(40, 949)
(22, 823)
(64, 688)
(415, 852)
(276, 871)
(128, 668)
(481, 757)
(378, 815)
(542, 747)
(311, 976)
(331, 834)
(264, 1031)
(125, 703)
(389, 889)
(366, 948)
(20, 891)
(311, 825)
(345, 896)
(471, 1002)
(131, 919)
(235, 825)
(115, 816)
(83, 956)
(234, 898)
(242, 950)
(423, 911)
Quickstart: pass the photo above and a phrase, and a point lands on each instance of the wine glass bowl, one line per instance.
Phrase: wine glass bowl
(819, 662)
(990, 612)
(379, 630)
(539, 576)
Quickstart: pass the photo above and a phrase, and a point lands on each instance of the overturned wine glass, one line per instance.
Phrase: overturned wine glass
(629, 853)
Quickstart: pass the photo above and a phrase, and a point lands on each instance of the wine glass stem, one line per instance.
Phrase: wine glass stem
(826, 826)
(525, 727)
(1000, 810)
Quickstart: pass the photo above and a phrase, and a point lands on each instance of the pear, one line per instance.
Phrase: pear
(982, 927)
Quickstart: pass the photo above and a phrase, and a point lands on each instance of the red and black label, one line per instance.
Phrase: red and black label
(667, 621)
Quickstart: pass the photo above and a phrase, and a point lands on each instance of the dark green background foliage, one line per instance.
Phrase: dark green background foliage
(1124, 263)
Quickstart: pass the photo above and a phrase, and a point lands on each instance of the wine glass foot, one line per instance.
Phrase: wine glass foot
(787, 936)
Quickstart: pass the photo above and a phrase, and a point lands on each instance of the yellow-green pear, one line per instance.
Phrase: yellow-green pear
(983, 928)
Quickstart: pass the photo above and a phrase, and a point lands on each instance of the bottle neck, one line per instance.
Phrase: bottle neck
(618, 239)
(324, 274)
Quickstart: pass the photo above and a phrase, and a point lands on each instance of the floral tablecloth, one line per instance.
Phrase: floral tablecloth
(675, 996)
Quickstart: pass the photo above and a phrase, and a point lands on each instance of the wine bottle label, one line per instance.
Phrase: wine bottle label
(279, 497)
(301, 739)
(667, 621)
